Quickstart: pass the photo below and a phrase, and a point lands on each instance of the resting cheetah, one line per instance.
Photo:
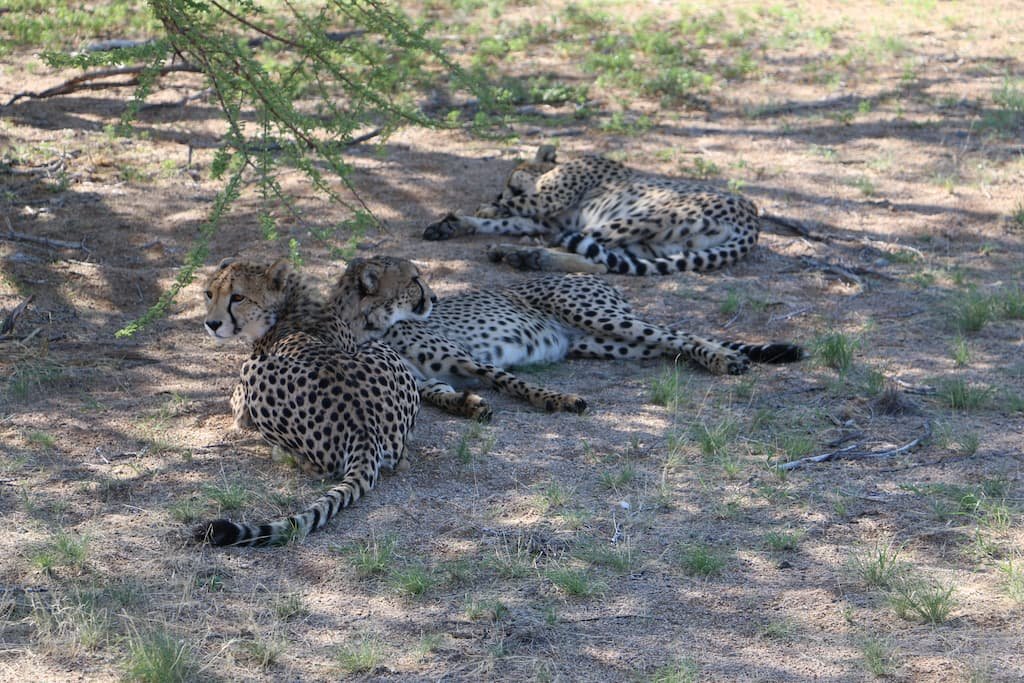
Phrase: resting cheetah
(543, 320)
(339, 408)
(604, 217)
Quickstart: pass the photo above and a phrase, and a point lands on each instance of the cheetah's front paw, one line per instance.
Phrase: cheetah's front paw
(449, 226)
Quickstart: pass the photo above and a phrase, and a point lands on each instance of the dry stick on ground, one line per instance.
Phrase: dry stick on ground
(7, 326)
(85, 81)
(13, 236)
(851, 452)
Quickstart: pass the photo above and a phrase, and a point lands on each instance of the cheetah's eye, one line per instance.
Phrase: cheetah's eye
(235, 298)
(209, 294)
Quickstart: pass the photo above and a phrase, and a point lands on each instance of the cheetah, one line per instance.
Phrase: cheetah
(475, 336)
(315, 384)
(602, 217)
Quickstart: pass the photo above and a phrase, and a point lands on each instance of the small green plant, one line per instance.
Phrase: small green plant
(836, 350)
(683, 670)
(157, 657)
(553, 495)
(779, 630)
(778, 541)
(41, 440)
(475, 433)
(959, 394)
(575, 582)
(714, 438)
(701, 560)
(668, 390)
(912, 597)
(618, 557)
(1017, 216)
(264, 653)
(186, 510)
(614, 481)
(289, 606)
(972, 312)
(65, 550)
(359, 657)
(961, 352)
(512, 558)
(372, 557)
(413, 581)
(489, 610)
(227, 496)
(879, 566)
(879, 659)
(1013, 578)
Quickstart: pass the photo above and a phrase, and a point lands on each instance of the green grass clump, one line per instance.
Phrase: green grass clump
(680, 671)
(228, 497)
(701, 560)
(778, 541)
(412, 581)
(157, 657)
(878, 567)
(959, 394)
(913, 598)
(372, 557)
(576, 582)
(879, 659)
(360, 657)
(835, 350)
(1013, 579)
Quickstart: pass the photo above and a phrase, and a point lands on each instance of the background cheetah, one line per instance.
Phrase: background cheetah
(339, 408)
(604, 217)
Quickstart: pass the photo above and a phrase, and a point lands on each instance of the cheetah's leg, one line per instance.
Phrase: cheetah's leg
(453, 225)
(542, 258)
(707, 353)
(451, 400)
(243, 421)
(433, 354)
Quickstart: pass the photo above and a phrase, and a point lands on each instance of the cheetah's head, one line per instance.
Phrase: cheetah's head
(524, 177)
(375, 293)
(242, 299)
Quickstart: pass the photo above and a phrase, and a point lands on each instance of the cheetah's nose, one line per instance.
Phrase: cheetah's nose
(213, 325)
(433, 298)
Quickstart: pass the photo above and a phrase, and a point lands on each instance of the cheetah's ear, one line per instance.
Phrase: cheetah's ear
(545, 154)
(369, 279)
(226, 262)
(278, 272)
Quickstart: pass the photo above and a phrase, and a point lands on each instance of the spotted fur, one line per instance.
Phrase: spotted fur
(476, 336)
(340, 407)
(603, 217)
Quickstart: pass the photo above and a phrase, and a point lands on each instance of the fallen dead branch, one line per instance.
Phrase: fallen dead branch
(87, 80)
(7, 326)
(793, 227)
(852, 453)
(13, 236)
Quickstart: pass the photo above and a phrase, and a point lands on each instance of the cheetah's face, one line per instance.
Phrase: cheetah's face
(241, 299)
(378, 292)
(523, 179)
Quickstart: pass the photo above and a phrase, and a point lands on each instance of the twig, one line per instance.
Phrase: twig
(84, 81)
(7, 326)
(792, 226)
(179, 103)
(13, 236)
(850, 452)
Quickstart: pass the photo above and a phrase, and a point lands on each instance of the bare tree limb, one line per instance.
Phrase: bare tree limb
(7, 326)
(13, 236)
(85, 81)
(851, 452)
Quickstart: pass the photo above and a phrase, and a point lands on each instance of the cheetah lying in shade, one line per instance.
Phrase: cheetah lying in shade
(474, 336)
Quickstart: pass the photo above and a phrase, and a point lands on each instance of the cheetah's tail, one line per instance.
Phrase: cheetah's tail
(770, 353)
(278, 532)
